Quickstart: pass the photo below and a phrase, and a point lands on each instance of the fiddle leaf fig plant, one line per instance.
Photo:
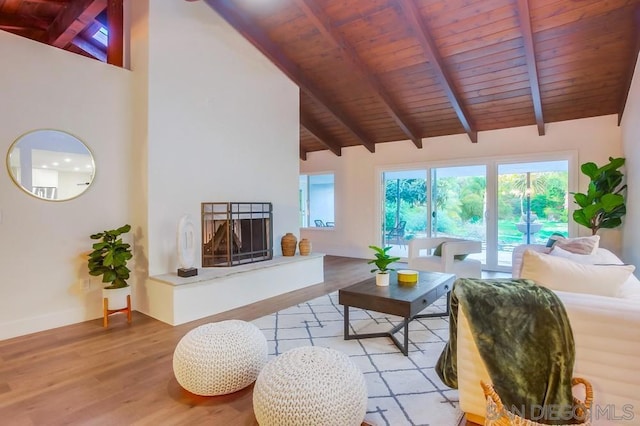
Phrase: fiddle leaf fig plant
(382, 260)
(603, 206)
(109, 257)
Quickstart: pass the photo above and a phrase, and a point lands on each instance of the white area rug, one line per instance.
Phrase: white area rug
(402, 390)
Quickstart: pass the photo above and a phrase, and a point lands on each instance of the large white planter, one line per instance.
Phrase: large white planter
(382, 280)
(117, 297)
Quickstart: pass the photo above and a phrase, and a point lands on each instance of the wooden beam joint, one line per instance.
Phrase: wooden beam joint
(632, 66)
(322, 23)
(319, 135)
(419, 28)
(532, 69)
(230, 13)
(115, 27)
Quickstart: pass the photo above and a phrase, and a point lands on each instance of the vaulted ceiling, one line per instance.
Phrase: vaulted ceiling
(80, 26)
(374, 71)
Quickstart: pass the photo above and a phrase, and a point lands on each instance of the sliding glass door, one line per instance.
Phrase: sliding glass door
(532, 204)
(500, 203)
(459, 204)
(404, 209)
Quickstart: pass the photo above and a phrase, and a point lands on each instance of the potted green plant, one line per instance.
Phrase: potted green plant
(382, 261)
(603, 206)
(109, 258)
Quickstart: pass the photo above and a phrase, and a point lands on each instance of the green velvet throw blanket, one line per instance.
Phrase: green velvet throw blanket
(525, 340)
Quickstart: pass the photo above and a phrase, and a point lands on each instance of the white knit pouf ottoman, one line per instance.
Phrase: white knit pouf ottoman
(220, 358)
(310, 386)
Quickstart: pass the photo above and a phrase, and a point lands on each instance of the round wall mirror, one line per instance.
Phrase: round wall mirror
(51, 165)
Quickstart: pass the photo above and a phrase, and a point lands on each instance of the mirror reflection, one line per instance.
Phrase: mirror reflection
(51, 165)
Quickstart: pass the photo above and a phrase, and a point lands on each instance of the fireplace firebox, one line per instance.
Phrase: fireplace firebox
(236, 233)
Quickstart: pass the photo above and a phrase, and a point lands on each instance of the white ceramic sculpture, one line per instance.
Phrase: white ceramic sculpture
(186, 246)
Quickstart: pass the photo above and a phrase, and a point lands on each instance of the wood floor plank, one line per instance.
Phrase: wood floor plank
(84, 374)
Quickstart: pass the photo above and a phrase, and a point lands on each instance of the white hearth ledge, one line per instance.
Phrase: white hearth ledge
(177, 300)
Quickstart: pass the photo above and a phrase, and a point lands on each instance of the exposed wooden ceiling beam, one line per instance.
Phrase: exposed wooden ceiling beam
(10, 6)
(419, 28)
(90, 48)
(303, 155)
(532, 68)
(323, 23)
(11, 22)
(261, 41)
(73, 19)
(37, 35)
(319, 135)
(91, 29)
(632, 64)
(115, 25)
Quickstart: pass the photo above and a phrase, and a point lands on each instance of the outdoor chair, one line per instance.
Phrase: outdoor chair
(319, 223)
(396, 235)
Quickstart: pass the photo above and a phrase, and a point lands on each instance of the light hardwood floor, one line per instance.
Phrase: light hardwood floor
(85, 374)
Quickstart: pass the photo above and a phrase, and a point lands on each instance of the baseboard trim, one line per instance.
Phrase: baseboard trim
(30, 325)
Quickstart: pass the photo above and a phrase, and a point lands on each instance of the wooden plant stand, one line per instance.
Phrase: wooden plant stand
(107, 311)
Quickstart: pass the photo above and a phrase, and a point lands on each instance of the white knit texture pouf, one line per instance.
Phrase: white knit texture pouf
(310, 386)
(220, 358)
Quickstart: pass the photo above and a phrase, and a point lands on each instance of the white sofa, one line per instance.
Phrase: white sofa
(607, 342)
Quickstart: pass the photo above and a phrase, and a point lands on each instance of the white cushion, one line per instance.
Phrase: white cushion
(578, 245)
(566, 275)
(600, 256)
(630, 289)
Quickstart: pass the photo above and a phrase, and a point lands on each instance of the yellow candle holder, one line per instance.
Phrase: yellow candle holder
(407, 276)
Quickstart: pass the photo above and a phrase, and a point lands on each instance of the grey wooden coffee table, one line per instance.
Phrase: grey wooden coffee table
(403, 300)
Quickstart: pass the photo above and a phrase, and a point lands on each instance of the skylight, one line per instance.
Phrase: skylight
(102, 35)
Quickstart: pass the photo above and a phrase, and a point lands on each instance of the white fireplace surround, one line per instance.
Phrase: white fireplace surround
(177, 300)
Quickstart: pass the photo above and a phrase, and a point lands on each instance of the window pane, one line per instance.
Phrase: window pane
(302, 201)
(405, 209)
(532, 204)
(459, 204)
(317, 200)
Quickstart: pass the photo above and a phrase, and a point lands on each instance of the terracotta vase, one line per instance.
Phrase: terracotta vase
(288, 244)
(305, 247)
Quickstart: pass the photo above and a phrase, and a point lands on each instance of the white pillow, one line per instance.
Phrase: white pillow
(578, 245)
(630, 289)
(565, 275)
(600, 256)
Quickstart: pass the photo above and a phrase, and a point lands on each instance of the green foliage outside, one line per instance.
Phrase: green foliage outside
(460, 202)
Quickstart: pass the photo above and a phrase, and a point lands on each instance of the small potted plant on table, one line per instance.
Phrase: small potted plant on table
(109, 259)
(382, 261)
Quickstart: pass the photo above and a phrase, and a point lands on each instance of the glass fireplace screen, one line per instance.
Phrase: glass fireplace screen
(236, 233)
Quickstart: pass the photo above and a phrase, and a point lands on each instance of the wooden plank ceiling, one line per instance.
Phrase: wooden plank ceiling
(374, 71)
(80, 26)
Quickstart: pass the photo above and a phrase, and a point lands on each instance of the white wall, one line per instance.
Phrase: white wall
(220, 124)
(631, 144)
(202, 117)
(70, 184)
(594, 139)
(223, 125)
(42, 243)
